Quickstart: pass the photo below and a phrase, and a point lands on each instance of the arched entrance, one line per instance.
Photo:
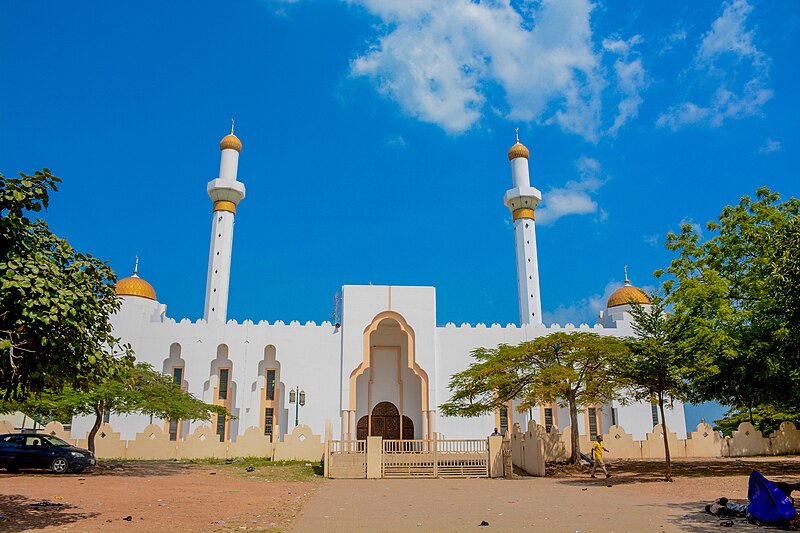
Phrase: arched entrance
(385, 423)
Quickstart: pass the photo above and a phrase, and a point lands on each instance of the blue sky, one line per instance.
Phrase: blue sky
(375, 136)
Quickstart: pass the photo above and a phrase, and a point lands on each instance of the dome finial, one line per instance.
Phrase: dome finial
(516, 130)
(136, 268)
(231, 126)
(627, 281)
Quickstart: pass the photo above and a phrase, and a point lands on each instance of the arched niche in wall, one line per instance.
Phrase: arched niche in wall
(223, 391)
(270, 391)
(175, 361)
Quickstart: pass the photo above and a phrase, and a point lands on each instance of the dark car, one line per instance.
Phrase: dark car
(33, 450)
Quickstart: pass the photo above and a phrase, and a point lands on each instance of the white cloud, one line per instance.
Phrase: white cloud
(395, 139)
(770, 147)
(443, 60)
(575, 198)
(727, 53)
(652, 240)
(631, 79)
(584, 311)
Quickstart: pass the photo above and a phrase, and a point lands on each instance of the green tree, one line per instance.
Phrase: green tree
(54, 301)
(767, 419)
(738, 291)
(659, 363)
(137, 389)
(570, 368)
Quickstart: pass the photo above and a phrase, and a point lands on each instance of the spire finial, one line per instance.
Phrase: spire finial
(516, 130)
(627, 281)
(231, 126)
(136, 268)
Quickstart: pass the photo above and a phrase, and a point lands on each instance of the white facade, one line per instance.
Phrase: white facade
(388, 358)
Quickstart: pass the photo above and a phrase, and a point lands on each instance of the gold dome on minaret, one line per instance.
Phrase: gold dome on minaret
(518, 150)
(231, 141)
(627, 294)
(135, 286)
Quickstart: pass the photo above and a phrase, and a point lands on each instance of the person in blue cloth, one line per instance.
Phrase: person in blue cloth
(768, 503)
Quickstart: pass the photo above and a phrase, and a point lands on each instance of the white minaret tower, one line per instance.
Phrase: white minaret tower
(226, 193)
(522, 201)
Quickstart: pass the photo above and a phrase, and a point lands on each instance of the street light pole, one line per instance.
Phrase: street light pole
(298, 398)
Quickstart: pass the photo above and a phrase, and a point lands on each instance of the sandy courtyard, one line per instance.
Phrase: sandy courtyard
(167, 496)
(632, 500)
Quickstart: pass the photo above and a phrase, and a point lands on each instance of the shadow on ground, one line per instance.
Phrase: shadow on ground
(118, 468)
(20, 513)
(652, 471)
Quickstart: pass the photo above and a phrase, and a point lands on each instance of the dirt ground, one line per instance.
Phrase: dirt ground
(157, 496)
(168, 496)
(633, 499)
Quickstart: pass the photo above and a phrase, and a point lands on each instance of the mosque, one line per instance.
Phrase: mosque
(382, 369)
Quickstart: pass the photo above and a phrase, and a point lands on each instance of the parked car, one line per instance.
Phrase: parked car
(35, 450)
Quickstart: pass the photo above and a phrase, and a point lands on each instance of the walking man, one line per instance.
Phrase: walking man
(597, 453)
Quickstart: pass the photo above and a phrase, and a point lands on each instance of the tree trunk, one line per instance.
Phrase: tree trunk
(98, 421)
(573, 422)
(668, 474)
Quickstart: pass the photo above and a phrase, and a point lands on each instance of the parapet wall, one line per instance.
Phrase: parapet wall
(153, 443)
(535, 445)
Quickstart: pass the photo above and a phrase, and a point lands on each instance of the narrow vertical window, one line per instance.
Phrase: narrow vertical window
(268, 421)
(592, 423)
(270, 384)
(223, 383)
(106, 416)
(614, 416)
(504, 421)
(221, 427)
(173, 429)
(654, 410)
(548, 419)
(177, 376)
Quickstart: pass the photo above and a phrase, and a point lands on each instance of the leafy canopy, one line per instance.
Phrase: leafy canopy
(54, 301)
(739, 292)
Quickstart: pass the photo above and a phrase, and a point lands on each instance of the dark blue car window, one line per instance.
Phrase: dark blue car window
(14, 440)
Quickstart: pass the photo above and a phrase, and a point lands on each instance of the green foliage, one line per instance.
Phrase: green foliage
(569, 368)
(660, 361)
(133, 389)
(764, 418)
(739, 291)
(54, 301)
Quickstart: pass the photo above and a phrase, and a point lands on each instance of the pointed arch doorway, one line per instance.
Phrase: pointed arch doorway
(386, 423)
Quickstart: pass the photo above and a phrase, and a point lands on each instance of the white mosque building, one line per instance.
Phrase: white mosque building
(383, 370)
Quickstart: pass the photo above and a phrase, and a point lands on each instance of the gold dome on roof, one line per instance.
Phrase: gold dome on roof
(518, 150)
(231, 141)
(135, 286)
(627, 294)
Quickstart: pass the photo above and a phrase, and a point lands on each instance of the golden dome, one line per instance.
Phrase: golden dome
(231, 141)
(625, 295)
(518, 150)
(135, 286)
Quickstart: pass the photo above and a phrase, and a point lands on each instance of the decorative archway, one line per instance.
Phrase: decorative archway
(385, 423)
(375, 349)
(412, 364)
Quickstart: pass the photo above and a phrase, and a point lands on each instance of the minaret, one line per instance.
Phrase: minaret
(226, 194)
(522, 201)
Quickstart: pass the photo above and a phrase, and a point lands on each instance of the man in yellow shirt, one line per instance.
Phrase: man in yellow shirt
(597, 455)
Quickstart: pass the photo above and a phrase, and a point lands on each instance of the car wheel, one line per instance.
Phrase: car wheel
(59, 465)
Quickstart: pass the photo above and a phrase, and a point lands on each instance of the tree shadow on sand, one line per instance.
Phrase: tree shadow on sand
(692, 517)
(20, 513)
(120, 468)
(631, 472)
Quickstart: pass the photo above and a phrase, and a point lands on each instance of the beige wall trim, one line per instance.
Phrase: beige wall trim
(366, 363)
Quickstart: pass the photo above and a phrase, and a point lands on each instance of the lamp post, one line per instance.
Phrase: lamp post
(298, 398)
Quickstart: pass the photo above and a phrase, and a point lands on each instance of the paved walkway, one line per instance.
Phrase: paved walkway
(527, 504)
